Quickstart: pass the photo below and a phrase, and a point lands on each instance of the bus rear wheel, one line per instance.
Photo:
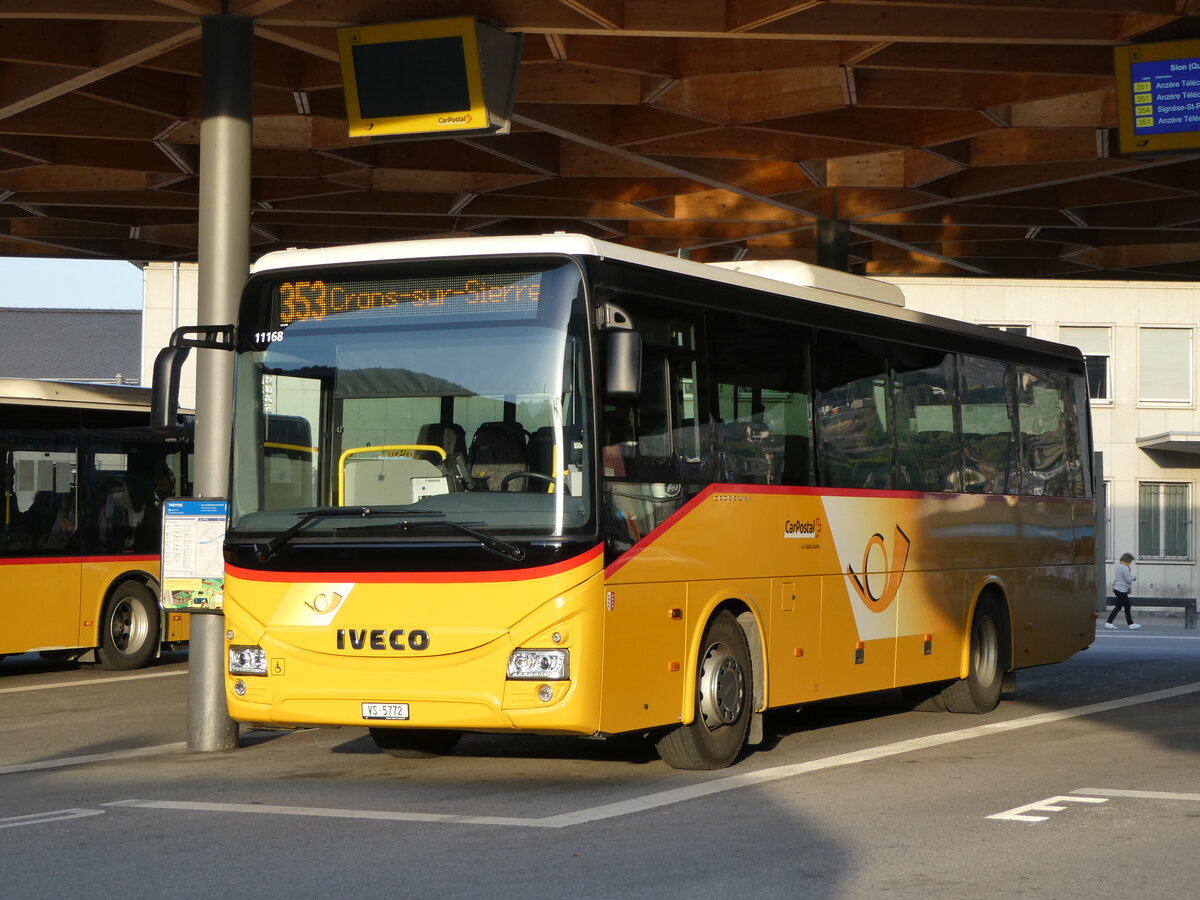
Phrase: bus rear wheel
(723, 698)
(415, 743)
(129, 629)
(980, 691)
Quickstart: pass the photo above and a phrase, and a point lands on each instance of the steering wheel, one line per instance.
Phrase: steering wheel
(546, 478)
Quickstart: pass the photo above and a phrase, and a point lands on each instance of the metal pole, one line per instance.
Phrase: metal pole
(224, 259)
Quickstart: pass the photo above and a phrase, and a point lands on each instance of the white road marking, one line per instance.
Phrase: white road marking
(321, 812)
(1147, 637)
(43, 818)
(70, 684)
(1050, 804)
(91, 758)
(692, 791)
(1144, 795)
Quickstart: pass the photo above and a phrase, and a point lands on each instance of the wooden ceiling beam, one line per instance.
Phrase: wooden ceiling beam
(890, 169)
(950, 22)
(631, 190)
(37, 227)
(1020, 146)
(160, 93)
(574, 84)
(120, 47)
(77, 116)
(752, 97)
(643, 56)
(994, 59)
(649, 160)
(78, 178)
(753, 143)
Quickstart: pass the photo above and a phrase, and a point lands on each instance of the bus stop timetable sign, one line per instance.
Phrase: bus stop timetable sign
(193, 567)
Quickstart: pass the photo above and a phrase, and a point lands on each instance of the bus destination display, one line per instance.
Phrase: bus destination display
(462, 298)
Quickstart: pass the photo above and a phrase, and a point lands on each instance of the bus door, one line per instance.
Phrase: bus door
(39, 544)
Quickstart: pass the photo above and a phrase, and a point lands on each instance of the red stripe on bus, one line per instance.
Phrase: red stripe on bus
(56, 560)
(418, 577)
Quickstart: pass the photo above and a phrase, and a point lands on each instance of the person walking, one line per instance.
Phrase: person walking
(1123, 579)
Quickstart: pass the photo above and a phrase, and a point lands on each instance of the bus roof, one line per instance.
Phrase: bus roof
(777, 276)
(787, 278)
(80, 395)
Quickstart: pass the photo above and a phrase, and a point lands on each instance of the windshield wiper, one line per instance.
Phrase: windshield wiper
(489, 542)
(330, 512)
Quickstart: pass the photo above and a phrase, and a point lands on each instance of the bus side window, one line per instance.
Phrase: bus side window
(928, 451)
(1047, 457)
(41, 514)
(760, 372)
(988, 433)
(854, 437)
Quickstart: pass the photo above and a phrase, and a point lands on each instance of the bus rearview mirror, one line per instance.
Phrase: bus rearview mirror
(623, 380)
(164, 399)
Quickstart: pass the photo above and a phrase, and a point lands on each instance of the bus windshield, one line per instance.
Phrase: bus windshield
(449, 398)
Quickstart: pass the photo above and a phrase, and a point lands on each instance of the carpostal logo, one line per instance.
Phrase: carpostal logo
(795, 528)
(464, 119)
(875, 559)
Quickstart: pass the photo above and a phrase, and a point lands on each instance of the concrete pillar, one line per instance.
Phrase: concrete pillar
(224, 259)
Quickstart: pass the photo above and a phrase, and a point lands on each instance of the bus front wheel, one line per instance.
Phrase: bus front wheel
(415, 743)
(129, 630)
(980, 691)
(723, 698)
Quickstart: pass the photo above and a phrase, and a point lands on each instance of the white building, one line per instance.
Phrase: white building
(1138, 339)
(169, 293)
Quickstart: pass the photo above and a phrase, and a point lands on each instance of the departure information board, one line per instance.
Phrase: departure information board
(1158, 97)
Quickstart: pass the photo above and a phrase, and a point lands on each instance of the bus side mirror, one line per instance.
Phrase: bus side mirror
(164, 399)
(623, 379)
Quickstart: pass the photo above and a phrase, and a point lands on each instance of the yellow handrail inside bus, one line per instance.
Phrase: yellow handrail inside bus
(401, 451)
(273, 445)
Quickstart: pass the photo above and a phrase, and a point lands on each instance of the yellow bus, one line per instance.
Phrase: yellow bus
(82, 479)
(567, 487)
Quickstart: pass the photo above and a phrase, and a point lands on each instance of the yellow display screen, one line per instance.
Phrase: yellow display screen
(509, 295)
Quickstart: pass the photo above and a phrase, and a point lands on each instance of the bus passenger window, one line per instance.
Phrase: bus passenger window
(989, 453)
(760, 371)
(928, 455)
(854, 443)
(1046, 457)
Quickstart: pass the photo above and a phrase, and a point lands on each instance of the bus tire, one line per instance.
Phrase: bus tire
(724, 688)
(980, 691)
(129, 628)
(415, 743)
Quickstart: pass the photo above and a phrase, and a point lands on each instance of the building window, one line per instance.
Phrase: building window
(1163, 520)
(1022, 330)
(1096, 346)
(1165, 365)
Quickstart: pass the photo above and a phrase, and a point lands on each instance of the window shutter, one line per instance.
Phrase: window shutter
(1090, 341)
(1165, 364)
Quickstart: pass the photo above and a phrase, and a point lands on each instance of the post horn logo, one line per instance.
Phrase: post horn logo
(894, 569)
(325, 603)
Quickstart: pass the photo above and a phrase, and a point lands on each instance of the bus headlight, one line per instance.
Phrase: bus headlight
(246, 660)
(543, 665)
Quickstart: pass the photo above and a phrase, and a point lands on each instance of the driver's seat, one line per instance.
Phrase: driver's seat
(498, 450)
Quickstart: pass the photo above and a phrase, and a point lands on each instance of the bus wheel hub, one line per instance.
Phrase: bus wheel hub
(722, 688)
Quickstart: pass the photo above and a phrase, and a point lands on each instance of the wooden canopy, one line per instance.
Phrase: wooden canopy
(955, 136)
